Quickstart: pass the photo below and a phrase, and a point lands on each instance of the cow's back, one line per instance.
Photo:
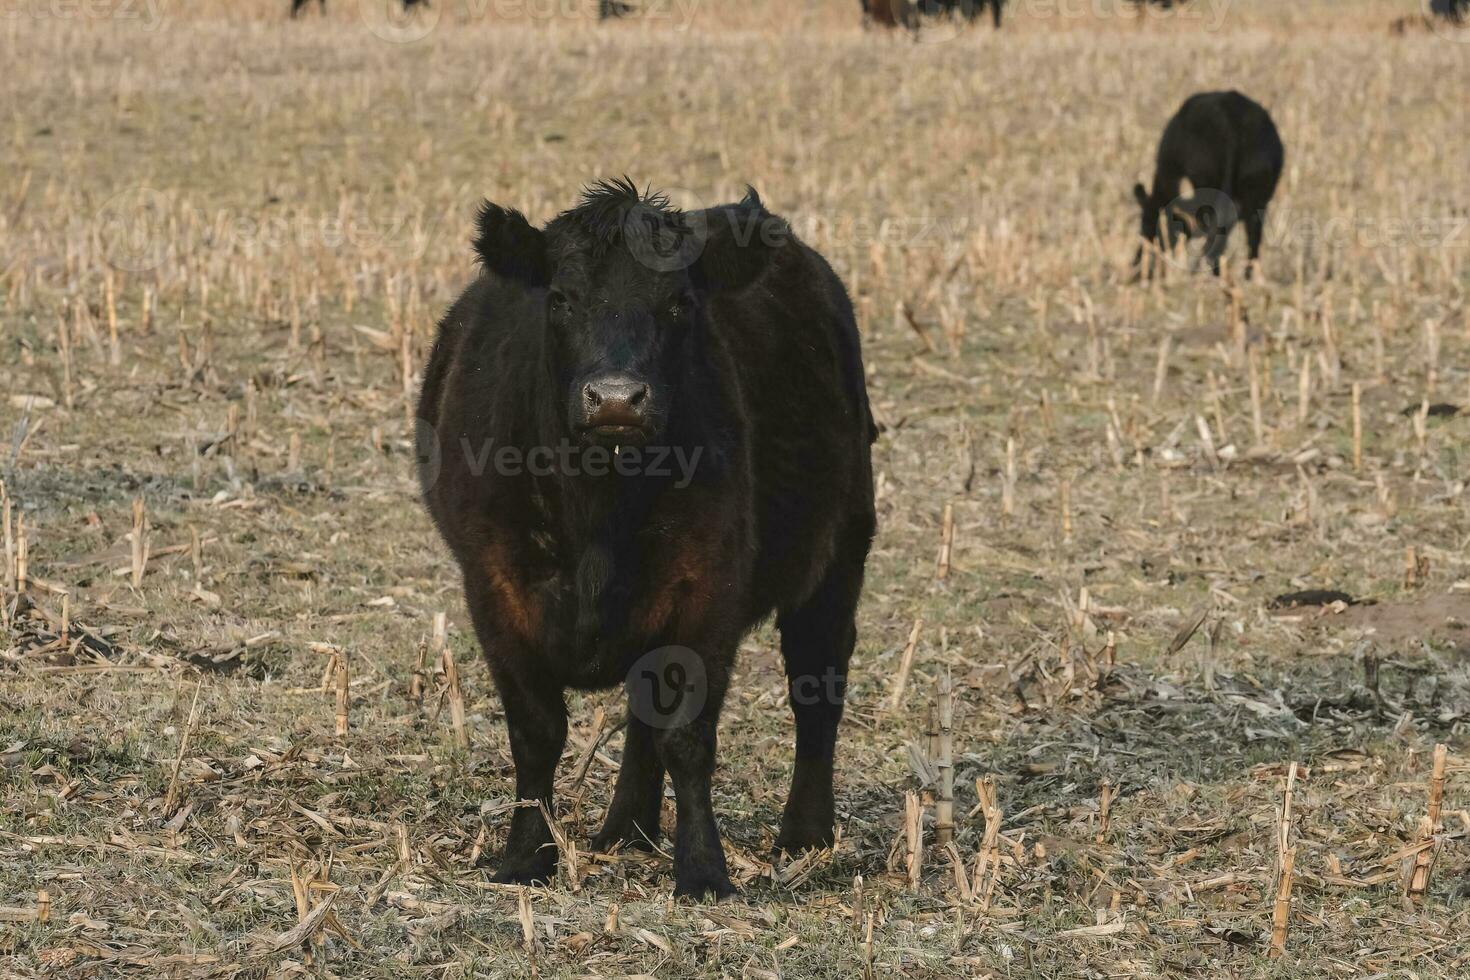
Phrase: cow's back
(1219, 138)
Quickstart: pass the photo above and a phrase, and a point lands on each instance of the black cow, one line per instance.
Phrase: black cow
(889, 13)
(1454, 11)
(614, 9)
(968, 9)
(906, 13)
(643, 431)
(297, 5)
(1226, 145)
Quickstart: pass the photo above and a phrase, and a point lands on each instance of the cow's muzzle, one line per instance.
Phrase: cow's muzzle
(615, 409)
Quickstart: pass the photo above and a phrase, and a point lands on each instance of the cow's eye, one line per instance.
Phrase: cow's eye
(558, 305)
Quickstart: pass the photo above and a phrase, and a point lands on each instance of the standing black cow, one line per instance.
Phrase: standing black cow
(643, 431)
(297, 5)
(1454, 11)
(968, 9)
(1226, 145)
(889, 13)
(906, 13)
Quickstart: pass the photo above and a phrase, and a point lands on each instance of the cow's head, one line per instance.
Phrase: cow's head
(627, 280)
(1206, 214)
(1178, 219)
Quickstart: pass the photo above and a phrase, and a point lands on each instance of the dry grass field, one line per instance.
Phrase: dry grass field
(225, 238)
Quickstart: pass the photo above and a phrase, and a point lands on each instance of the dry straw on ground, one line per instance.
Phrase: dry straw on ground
(222, 250)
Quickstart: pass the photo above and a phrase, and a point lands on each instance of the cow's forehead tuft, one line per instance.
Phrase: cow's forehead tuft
(609, 212)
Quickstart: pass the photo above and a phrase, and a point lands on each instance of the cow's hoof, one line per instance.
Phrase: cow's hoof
(703, 885)
(795, 839)
(610, 839)
(537, 870)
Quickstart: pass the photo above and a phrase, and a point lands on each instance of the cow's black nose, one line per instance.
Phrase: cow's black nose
(617, 401)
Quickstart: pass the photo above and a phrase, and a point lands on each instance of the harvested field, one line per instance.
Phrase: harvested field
(225, 238)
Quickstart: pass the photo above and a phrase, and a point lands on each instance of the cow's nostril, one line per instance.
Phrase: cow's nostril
(639, 396)
(590, 394)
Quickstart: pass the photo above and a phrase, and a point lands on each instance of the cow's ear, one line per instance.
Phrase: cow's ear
(510, 247)
(740, 241)
(1141, 194)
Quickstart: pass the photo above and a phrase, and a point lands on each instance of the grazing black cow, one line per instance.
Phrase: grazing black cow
(644, 430)
(1227, 147)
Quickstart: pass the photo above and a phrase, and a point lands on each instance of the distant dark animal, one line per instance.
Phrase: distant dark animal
(1311, 597)
(889, 13)
(1455, 11)
(907, 13)
(297, 5)
(568, 388)
(968, 9)
(613, 9)
(1228, 148)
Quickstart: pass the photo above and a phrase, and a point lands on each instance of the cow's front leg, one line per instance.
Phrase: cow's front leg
(685, 693)
(536, 718)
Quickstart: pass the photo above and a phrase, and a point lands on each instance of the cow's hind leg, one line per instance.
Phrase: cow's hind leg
(1255, 227)
(817, 640)
(633, 816)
